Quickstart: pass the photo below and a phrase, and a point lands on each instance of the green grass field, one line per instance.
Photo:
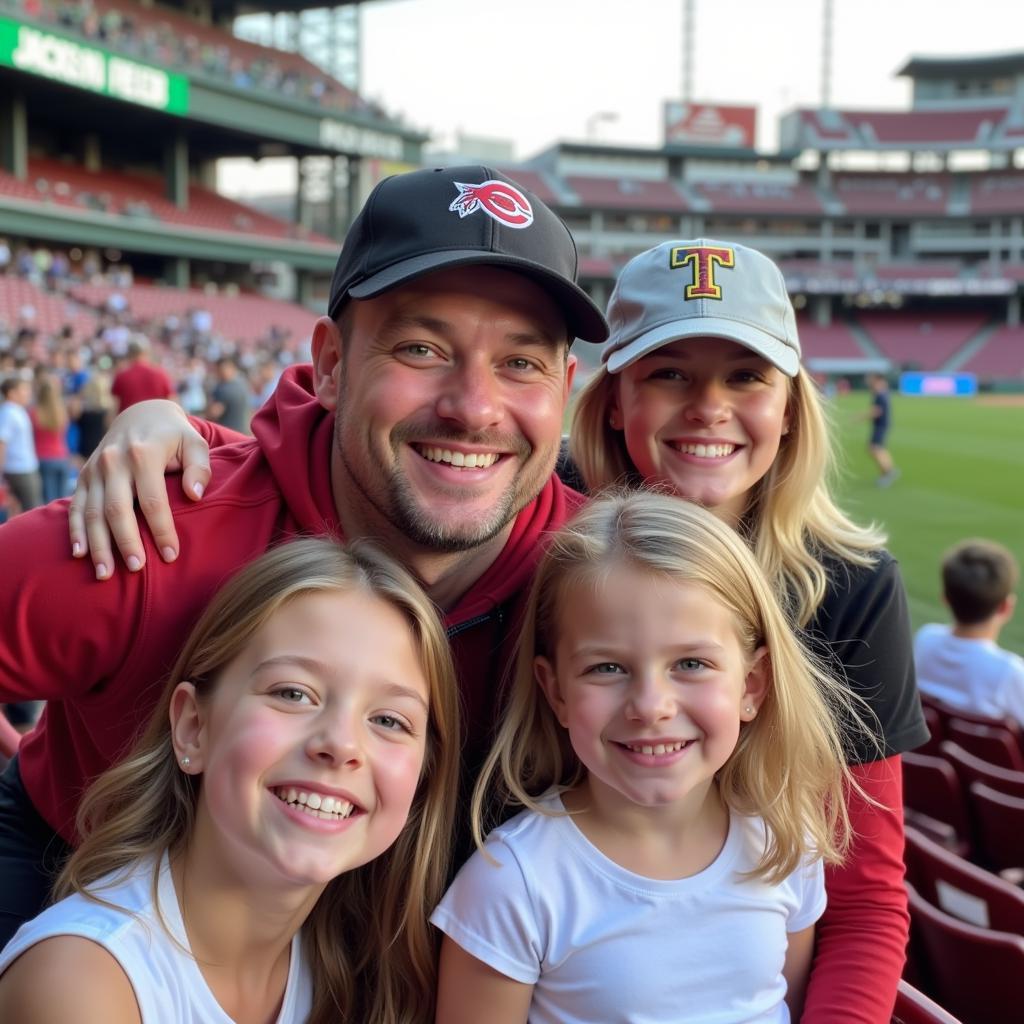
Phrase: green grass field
(962, 462)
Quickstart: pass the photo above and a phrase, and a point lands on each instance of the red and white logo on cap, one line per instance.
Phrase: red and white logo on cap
(498, 199)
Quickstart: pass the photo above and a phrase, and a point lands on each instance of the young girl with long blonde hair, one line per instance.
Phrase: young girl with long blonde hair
(682, 771)
(270, 849)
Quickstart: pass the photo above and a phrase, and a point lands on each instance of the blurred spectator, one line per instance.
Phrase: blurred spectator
(200, 323)
(229, 400)
(19, 466)
(140, 379)
(192, 389)
(75, 374)
(962, 664)
(49, 430)
(96, 404)
(265, 378)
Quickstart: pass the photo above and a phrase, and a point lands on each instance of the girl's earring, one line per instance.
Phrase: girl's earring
(185, 762)
(749, 709)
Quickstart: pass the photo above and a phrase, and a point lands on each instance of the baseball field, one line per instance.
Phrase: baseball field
(962, 464)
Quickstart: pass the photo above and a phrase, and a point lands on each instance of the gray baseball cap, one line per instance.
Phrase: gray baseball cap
(701, 289)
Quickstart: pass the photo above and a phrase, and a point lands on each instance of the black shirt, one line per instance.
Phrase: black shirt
(862, 630)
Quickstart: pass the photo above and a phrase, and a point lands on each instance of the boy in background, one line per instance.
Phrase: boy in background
(962, 664)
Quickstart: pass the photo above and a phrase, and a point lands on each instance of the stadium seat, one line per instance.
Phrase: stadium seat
(995, 742)
(935, 722)
(939, 832)
(932, 787)
(962, 889)
(999, 821)
(947, 711)
(974, 972)
(914, 1007)
(973, 769)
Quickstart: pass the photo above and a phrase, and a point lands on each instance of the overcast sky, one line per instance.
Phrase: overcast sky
(536, 70)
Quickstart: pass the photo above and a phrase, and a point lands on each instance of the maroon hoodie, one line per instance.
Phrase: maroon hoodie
(100, 652)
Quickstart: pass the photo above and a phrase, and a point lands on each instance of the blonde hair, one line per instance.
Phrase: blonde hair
(789, 765)
(51, 414)
(95, 393)
(791, 521)
(371, 948)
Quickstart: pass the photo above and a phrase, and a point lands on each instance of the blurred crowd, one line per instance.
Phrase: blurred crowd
(60, 387)
(155, 41)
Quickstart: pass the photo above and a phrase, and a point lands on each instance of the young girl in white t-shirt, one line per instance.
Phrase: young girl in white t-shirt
(680, 764)
(271, 848)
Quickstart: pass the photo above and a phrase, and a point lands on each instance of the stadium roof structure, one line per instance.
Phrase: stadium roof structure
(1011, 63)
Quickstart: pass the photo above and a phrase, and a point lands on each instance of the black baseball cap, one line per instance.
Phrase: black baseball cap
(432, 219)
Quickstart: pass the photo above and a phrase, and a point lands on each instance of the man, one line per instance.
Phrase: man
(140, 379)
(441, 375)
(19, 466)
(880, 416)
(231, 399)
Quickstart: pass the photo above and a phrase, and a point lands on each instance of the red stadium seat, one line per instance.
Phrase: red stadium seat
(962, 889)
(995, 743)
(999, 821)
(947, 711)
(936, 727)
(973, 769)
(939, 832)
(914, 1007)
(974, 972)
(932, 787)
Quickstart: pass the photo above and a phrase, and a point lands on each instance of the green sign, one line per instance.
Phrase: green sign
(62, 60)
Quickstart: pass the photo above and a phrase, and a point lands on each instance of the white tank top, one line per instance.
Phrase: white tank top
(168, 984)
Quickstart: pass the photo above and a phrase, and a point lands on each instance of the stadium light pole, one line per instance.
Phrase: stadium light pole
(826, 55)
(687, 50)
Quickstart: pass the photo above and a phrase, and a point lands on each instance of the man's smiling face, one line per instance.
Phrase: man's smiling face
(450, 398)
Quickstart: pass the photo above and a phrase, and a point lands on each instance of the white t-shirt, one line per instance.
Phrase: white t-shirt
(599, 943)
(16, 434)
(977, 675)
(168, 984)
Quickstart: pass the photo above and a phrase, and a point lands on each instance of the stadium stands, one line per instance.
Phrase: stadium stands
(1002, 355)
(923, 341)
(22, 303)
(832, 341)
(627, 194)
(892, 194)
(829, 129)
(997, 193)
(800, 198)
(534, 181)
(139, 195)
(173, 39)
(242, 318)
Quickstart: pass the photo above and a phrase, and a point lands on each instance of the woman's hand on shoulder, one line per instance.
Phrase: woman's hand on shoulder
(68, 979)
(143, 443)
